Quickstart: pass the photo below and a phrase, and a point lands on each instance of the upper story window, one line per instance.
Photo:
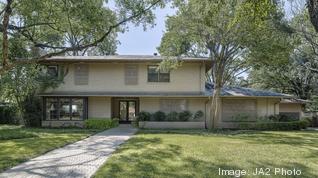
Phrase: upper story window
(155, 75)
(53, 71)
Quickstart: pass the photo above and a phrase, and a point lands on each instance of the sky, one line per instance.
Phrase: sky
(137, 41)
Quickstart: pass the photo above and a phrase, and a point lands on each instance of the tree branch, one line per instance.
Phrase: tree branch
(79, 47)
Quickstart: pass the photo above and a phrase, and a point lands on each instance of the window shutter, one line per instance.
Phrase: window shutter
(81, 74)
(131, 74)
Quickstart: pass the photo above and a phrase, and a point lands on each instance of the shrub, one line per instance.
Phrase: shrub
(8, 115)
(281, 118)
(159, 116)
(32, 111)
(198, 115)
(143, 116)
(294, 125)
(185, 116)
(172, 116)
(241, 117)
(309, 120)
(101, 123)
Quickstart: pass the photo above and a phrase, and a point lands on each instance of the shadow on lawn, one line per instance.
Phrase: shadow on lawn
(149, 157)
(157, 160)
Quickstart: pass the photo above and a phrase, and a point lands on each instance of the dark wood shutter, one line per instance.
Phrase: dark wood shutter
(81, 74)
(131, 74)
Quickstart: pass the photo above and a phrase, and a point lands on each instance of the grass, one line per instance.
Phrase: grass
(182, 154)
(19, 144)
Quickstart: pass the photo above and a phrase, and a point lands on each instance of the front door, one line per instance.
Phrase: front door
(127, 110)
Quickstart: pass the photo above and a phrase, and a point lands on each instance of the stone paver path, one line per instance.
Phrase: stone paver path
(80, 159)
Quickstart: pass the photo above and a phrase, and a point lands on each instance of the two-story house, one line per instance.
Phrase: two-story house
(120, 86)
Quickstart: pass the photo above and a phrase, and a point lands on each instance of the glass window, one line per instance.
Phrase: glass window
(155, 75)
(77, 109)
(51, 109)
(52, 71)
(65, 109)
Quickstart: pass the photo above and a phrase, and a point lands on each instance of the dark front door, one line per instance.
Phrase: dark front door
(127, 110)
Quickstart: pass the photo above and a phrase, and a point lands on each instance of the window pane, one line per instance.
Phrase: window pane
(52, 71)
(164, 77)
(123, 110)
(153, 77)
(51, 109)
(77, 109)
(131, 110)
(152, 69)
(65, 109)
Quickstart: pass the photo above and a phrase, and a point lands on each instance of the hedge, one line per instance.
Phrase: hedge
(105, 123)
(173, 116)
(294, 125)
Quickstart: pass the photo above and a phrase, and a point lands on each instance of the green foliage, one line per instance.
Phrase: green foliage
(185, 116)
(32, 111)
(8, 115)
(8, 134)
(101, 124)
(159, 116)
(144, 116)
(294, 125)
(198, 115)
(242, 117)
(172, 116)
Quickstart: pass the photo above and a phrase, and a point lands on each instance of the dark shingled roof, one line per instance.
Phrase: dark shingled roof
(228, 91)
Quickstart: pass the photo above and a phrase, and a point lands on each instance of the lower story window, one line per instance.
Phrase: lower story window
(62, 108)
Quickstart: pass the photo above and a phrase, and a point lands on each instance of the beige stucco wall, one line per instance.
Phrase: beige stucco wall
(105, 77)
(99, 107)
(264, 107)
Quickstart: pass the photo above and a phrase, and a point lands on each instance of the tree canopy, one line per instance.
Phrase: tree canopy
(45, 28)
(225, 31)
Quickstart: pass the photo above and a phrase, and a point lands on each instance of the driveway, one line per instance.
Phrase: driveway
(80, 159)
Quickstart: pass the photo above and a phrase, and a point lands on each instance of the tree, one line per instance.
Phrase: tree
(226, 32)
(37, 29)
(297, 75)
(312, 6)
(65, 26)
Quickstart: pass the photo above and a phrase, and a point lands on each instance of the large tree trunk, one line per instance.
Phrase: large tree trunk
(5, 42)
(313, 12)
(215, 107)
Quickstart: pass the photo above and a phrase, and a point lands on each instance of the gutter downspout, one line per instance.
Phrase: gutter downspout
(275, 106)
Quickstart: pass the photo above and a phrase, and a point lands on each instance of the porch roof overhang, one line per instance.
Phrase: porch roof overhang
(125, 94)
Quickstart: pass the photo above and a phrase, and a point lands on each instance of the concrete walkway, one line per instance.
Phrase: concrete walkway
(80, 159)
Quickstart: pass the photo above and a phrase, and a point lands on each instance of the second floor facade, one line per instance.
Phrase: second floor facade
(127, 74)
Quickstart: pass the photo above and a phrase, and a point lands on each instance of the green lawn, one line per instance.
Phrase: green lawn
(20, 144)
(179, 154)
